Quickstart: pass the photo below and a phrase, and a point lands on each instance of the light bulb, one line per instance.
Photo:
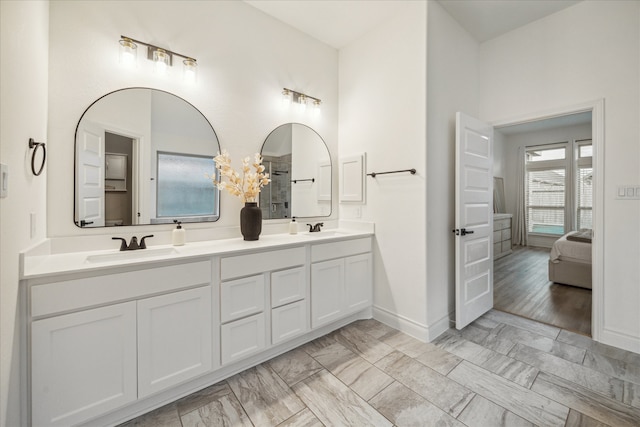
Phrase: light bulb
(162, 60)
(316, 107)
(302, 103)
(190, 70)
(286, 98)
(128, 52)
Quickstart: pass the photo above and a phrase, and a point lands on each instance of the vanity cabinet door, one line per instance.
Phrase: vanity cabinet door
(83, 364)
(358, 287)
(327, 291)
(174, 339)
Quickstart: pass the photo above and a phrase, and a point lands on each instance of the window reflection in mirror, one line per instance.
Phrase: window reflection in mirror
(299, 165)
(129, 128)
(182, 193)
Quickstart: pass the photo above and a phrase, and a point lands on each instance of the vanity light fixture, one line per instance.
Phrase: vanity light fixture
(286, 98)
(128, 52)
(163, 58)
(190, 70)
(302, 103)
(300, 99)
(316, 107)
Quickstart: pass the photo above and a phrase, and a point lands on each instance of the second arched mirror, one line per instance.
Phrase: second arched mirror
(299, 163)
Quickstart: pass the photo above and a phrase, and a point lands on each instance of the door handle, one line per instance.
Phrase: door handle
(83, 223)
(462, 231)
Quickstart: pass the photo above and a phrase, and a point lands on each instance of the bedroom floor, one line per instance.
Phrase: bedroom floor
(521, 287)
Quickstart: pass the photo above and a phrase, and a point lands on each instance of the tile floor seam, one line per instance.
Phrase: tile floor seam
(240, 402)
(381, 390)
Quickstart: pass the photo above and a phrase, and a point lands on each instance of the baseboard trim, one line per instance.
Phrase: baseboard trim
(621, 340)
(411, 327)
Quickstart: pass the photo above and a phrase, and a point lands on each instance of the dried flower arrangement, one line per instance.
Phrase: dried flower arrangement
(247, 186)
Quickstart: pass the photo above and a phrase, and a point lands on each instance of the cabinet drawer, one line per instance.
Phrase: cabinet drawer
(342, 249)
(243, 338)
(501, 224)
(241, 298)
(287, 286)
(53, 298)
(506, 234)
(288, 321)
(246, 265)
(506, 246)
(497, 236)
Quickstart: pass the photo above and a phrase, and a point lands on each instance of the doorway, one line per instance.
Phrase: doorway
(119, 180)
(548, 167)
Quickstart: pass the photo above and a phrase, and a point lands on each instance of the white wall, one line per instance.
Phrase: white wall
(23, 102)
(383, 113)
(245, 59)
(451, 86)
(583, 53)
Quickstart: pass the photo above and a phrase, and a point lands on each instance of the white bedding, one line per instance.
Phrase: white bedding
(566, 250)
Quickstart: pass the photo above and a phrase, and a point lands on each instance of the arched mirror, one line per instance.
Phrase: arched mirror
(142, 156)
(299, 165)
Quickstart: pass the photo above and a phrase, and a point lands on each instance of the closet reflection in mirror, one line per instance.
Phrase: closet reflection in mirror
(143, 157)
(299, 165)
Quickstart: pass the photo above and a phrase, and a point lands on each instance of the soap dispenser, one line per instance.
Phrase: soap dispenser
(293, 226)
(178, 234)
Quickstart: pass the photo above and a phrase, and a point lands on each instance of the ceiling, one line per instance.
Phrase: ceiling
(340, 22)
(487, 19)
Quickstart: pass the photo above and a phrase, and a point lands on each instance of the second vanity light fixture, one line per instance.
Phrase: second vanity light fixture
(290, 96)
(162, 58)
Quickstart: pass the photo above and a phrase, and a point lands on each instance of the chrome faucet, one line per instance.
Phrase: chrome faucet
(315, 228)
(134, 243)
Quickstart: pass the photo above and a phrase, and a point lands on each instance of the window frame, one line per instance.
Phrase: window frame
(545, 165)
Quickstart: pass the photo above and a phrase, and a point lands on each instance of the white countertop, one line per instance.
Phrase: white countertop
(48, 265)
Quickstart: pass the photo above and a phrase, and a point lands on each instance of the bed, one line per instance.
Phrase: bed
(570, 259)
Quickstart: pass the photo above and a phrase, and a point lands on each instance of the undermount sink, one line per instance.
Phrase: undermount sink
(130, 255)
(328, 233)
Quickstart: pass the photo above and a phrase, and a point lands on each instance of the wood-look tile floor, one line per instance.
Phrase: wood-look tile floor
(521, 286)
(502, 370)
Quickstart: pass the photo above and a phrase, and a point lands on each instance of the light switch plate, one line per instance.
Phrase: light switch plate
(4, 180)
(628, 192)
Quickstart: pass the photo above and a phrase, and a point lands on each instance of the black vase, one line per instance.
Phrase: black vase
(250, 221)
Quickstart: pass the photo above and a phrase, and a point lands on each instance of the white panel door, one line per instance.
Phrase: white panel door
(327, 291)
(474, 220)
(83, 364)
(90, 157)
(174, 339)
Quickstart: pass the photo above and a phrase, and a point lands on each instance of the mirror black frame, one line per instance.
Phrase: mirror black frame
(330, 164)
(196, 219)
